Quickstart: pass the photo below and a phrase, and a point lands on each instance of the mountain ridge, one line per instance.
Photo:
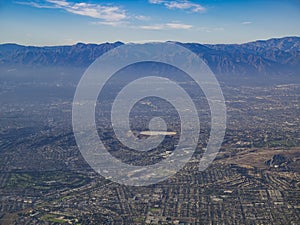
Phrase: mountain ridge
(275, 56)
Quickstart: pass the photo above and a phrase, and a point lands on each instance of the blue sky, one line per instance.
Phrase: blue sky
(60, 22)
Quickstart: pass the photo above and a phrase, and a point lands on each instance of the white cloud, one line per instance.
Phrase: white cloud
(142, 18)
(153, 27)
(246, 22)
(185, 5)
(210, 29)
(112, 23)
(166, 26)
(178, 26)
(59, 2)
(156, 1)
(180, 4)
(104, 12)
(37, 5)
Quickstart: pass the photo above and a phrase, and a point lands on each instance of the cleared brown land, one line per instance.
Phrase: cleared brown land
(258, 157)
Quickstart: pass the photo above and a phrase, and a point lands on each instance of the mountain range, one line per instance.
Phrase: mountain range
(277, 56)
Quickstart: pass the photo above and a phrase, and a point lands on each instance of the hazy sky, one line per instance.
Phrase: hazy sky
(58, 22)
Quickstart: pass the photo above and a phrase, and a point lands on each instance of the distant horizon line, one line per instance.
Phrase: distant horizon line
(147, 41)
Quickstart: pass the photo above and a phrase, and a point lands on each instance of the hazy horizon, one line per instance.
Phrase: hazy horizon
(149, 41)
(62, 22)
